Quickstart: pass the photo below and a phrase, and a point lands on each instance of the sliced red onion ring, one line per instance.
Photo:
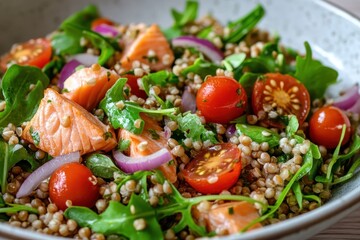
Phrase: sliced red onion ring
(355, 108)
(68, 69)
(203, 45)
(44, 171)
(347, 100)
(86, 59)
(106, 30)
(188, 101)
(231, 131)
(149, 162)
(167, 132)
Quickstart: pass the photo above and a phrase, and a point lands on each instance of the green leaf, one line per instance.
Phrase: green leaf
(189, 14)
(14, 208)
(298, 194)
(102, 165)
(349, 174)
(201, 68)
(234, 61)
(259, 134)
(83, 18)
(23, 88)
(11, 155)
(334, 158)
(126, 117)
(241, 27)
(314, 75)
(247, 81)
(313, 198)
(54, 67)
(190, 124)
(118, 219)
(292, 126)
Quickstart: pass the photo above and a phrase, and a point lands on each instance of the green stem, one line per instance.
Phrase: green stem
(336, 154)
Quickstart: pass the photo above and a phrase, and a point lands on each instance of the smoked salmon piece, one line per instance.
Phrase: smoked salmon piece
(88, 86)
(229, 218)
(154, 137)
(151, 48)
(61, 126)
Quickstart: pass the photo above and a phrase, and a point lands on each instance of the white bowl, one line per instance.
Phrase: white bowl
(333, 34)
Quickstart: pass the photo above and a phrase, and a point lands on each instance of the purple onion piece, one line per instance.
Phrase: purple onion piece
(188, 101)
(68, 69)
(44, 171)
(203, 45)
(149, 162)
(231, 131)
(106, 30)
(349, 98)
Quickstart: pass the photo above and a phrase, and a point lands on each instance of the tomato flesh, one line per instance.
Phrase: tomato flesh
(100, 21)
(74, 182)
(214, 169)
(326, 125)
(281, 94)
(221, 99)
(35, 52)
(135, 89)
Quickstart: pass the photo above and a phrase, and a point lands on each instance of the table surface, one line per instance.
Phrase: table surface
(349, 227)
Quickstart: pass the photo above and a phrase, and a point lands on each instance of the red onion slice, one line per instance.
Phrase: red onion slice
(347, 100)
(85, 59)
(188, 101)
(106, 30)
(203, 45)
(231, 131)
(68, 69)
(355, 108)
(149, 162)
(44, 171)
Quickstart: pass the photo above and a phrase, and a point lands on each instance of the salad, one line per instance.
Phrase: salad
(114, 131)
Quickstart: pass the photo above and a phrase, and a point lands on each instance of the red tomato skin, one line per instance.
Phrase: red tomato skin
(35, 52)
(135, 89)
(221, 99)
(100, 21)
(225, 179)
(325, 127)
(74, 182)
(302, 95)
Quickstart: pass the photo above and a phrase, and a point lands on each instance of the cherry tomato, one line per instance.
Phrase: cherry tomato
(132, 81)
(221, 99)
(214, 169)
(74, 182)
(100, 21)
(35, 52)
(326, 125)
(282, 94)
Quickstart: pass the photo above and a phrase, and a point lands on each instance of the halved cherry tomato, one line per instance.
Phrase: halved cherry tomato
(100, 21)
(135, 89)
(74, 182)
(283, 94)
(326, 125)
(35, 52)
(221, 99)
(214, 169)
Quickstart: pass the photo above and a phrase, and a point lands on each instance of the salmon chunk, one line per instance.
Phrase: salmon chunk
(151, 48)
(61, 126)
(88, 86)
(154, 140)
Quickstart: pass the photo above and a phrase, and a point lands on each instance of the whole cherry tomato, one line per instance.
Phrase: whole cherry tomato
(74, 182)
(35, 52)
(214, 169)
(282, 94)
(221, 99)
(326, 125)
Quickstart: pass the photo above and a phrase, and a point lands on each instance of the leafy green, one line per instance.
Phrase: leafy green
(82, 18)
(190, 124)
(241, 27)
(350, 173)
(202, 68)
(313, 198)
(11, 155)
(292, 126)
(126, 117)
(23, 88)
(313, 74)
(298, 194)
(247, 81)
(259, 134)
(234, 61)
(54, 67)
(101, 165)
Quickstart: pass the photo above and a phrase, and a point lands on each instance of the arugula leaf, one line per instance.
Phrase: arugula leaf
(349, 174)
(54, 67)
(259, 134)
(102, 166)
(118, 219)
(298, 194)
(313, 198)
(83, 17)
(247, 81)
(313, 74)
(241, 27)
(23, 88)
(11, 155)
(126, 117)
(234, 61)
(202, 68)
(190, 124)
(292, 126)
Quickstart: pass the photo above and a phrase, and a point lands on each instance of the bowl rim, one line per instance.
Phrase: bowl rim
(345, 203)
